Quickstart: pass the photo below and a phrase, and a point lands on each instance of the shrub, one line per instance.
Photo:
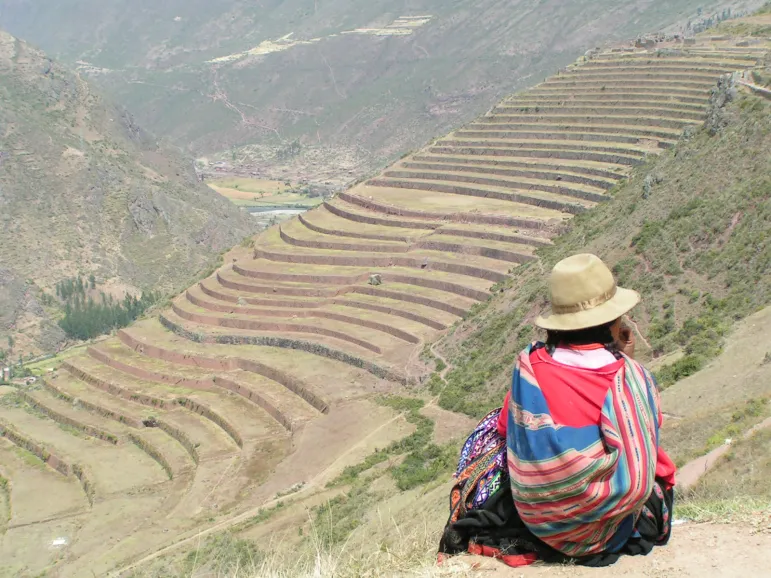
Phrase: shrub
(341, 515)
(680, 369)
(424, 466)
(222, 555)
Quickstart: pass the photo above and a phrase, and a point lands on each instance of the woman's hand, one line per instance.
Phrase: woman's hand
(626, 339)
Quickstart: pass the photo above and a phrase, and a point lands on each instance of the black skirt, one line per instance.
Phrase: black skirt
(497, 530)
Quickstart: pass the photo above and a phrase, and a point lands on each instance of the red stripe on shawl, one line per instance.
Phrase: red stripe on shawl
(596, 492)
(561, 470)
(633, 433)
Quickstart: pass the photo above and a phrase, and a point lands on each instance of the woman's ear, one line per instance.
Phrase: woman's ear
(625, 333)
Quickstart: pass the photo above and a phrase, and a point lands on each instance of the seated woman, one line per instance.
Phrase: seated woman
(584, 477)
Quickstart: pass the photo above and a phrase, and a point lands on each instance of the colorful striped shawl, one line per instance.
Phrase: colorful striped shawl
(581, 489)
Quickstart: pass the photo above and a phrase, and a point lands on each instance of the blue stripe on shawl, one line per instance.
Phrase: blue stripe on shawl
(544, 444)
(528, 394)
(547, 442)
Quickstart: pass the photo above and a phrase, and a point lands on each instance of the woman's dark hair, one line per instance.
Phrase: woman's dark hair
(598, 334)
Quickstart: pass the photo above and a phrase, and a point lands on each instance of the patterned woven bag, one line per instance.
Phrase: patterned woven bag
(482, 468)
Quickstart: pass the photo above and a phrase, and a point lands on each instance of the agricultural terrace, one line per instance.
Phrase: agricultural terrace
(262, 376)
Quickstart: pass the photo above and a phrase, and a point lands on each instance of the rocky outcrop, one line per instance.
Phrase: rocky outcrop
(86, 190)
(722, 94)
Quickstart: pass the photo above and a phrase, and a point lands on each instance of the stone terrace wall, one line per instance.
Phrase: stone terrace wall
(307, 346)
(296, 386)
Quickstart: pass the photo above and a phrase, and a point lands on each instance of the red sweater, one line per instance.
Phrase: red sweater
(575, 396)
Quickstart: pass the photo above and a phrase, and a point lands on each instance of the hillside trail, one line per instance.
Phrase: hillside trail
(316, 483)
(698, 550)
(447, 365)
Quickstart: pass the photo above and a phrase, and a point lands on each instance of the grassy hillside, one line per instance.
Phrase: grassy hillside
(84, 190)
(689, 231)
(352, 84)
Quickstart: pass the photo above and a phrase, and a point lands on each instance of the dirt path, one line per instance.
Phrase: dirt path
(439, 356)
(698, 550)
(318, 481)
(637, 331)
(760, 90)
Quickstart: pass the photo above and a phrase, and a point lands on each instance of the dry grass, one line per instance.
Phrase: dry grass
(411, 551)
(743, 472)
(691, 437)
(754, 512)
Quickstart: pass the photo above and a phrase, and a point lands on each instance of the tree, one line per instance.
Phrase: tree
(86, 318)
(11, 342)
(92, 281)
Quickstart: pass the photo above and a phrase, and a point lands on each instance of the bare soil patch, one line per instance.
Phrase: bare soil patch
(698, 550)
(448, 425)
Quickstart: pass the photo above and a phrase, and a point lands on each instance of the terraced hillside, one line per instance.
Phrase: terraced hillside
(262, 376)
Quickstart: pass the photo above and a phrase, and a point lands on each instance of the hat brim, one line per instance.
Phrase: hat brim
(622, 302)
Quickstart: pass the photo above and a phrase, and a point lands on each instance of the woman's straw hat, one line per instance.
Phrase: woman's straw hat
(584, 294)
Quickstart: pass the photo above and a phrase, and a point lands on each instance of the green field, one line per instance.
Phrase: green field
(247, 192)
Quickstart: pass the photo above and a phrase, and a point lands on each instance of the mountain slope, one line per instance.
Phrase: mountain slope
(355, 83)
(84, 190)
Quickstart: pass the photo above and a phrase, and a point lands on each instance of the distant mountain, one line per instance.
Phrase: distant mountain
(353, 83)
(84, 190)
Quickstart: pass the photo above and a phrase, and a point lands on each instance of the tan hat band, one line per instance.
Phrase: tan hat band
(584, 305)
